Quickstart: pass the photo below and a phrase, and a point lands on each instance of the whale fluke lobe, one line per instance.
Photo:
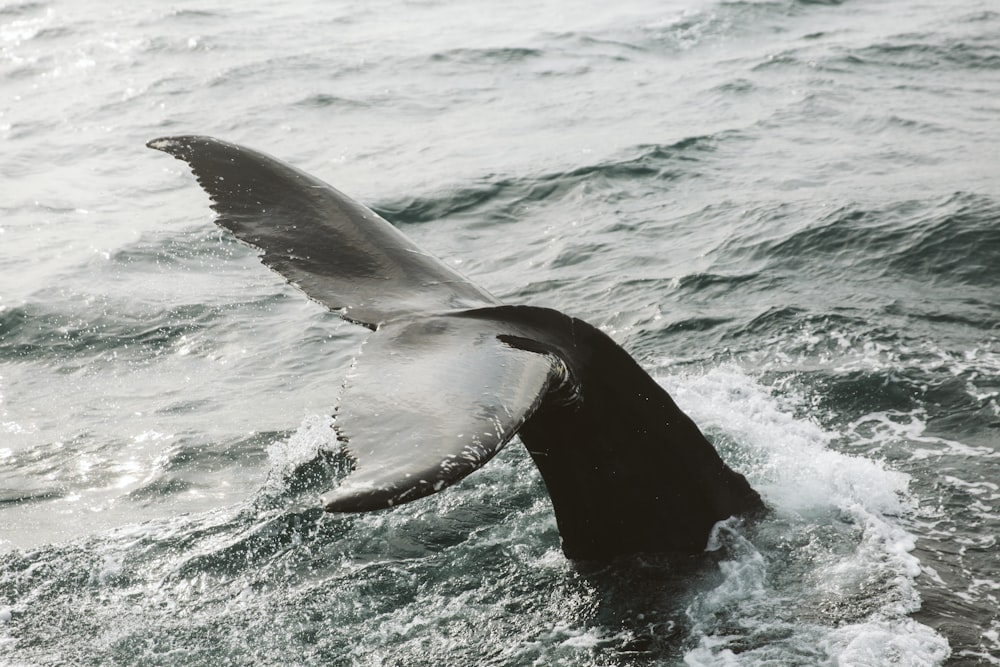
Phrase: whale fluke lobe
(337, 251)
(432, 399)
(451, 374)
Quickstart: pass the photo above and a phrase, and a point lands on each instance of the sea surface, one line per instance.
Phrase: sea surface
(788, 211)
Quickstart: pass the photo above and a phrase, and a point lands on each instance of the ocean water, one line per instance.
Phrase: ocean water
(788, 211)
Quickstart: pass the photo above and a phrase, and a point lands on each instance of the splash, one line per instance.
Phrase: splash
(830, 574)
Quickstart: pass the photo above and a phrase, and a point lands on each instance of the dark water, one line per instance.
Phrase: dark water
(789, 212)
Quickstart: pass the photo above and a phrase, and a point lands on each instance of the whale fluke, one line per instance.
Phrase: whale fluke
(337, 251)
(451, 374)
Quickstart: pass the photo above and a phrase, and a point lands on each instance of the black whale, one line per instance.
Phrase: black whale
(452, 374)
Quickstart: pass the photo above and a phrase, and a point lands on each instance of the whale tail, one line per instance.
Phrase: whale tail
(452, 374)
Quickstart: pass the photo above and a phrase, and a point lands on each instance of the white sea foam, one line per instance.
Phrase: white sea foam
(851, 588)
(788, 456)
(900, 641)
(314, 435)
(890, 426)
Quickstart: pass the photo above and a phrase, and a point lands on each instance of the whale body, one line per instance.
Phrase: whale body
(452, 374)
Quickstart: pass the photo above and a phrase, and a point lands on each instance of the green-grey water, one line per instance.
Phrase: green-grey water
(787, 211)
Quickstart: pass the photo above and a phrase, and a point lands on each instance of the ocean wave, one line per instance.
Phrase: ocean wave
(189, 465)
(21, 8)
(487, 56)
(330, 101)
(929, 52)
(496, 200)
(694, 27)
(36, 332)
(955, 240)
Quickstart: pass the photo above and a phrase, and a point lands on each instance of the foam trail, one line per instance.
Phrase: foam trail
(830, 576)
